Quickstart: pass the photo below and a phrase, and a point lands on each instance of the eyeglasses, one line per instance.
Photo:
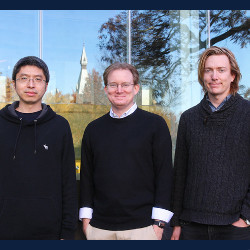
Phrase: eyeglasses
(124, 85)
(25, 80)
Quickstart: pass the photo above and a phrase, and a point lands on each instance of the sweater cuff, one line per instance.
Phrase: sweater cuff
(245, 211)
(175, 221)
(161, 214)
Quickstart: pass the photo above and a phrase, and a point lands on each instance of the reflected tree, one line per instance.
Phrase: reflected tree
(245, 92)
(93, 92)
(10, 92)
(157, 44)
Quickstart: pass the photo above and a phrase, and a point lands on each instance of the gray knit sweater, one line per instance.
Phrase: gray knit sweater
(212, 164)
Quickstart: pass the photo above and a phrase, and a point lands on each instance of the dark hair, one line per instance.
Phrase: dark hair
(119, 65)
(33, 61)
(214, 50)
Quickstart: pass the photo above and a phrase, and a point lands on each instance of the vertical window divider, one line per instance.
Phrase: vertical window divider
(208, 28)
(40, 34)
(129, 36)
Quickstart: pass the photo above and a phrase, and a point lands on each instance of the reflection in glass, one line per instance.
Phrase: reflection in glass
(78, 45)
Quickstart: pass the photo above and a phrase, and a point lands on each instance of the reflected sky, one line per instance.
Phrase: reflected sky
(63, 34)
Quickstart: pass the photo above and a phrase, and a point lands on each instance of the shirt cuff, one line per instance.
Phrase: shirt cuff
(85, 213)
(161, 214)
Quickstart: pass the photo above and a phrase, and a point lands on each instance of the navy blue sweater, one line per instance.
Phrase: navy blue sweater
(126, 170)
(37, 177)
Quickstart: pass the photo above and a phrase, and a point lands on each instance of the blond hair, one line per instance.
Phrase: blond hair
(235, 70)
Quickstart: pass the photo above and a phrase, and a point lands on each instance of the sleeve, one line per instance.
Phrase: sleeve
(69, 188)
(245, 211)
(180, 167)
(86, 172)
(163, 167)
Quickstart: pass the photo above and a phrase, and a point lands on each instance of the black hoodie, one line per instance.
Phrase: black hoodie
(38, 197)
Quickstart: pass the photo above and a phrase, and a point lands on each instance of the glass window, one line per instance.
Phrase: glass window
(165, 49)
(78, 45)
(19, 38)
(238, 43)
(70, 45)
(71, 50)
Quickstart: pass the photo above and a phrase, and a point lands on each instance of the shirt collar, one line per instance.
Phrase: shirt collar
(213, 108)
(125, 114)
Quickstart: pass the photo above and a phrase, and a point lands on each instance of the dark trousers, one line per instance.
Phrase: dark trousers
(196, 231)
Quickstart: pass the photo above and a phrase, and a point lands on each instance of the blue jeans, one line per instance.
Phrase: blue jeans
(196, 231)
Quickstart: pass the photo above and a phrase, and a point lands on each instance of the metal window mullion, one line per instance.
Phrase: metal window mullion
(129, 37)
(208, 28)
(40, 34)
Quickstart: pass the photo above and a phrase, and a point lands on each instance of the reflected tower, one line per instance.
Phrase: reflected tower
(83, 74)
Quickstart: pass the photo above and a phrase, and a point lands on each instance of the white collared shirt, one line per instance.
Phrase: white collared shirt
(125, 114)
(157, 213)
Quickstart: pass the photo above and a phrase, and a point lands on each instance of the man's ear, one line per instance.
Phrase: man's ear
(136, 88)
(105, 90)
(14, 84)
(233, 77)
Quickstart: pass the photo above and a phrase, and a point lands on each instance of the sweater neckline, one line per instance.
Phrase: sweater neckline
(125, 119)
(228, 104)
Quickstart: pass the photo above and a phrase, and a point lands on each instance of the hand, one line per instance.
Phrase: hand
(85, 223)
(158, 231)
(176, 233)
(240, 223)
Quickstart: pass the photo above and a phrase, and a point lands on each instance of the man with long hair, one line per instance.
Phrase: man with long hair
(211, 198)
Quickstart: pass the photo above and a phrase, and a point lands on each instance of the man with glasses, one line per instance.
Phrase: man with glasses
(37, 166)
(126, 166)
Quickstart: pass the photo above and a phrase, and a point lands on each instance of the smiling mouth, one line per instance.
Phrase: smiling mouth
(214, 84)
(119, 96)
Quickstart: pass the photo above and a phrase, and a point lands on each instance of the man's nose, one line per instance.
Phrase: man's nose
(119, 88)
(214, 74)
(31, 83)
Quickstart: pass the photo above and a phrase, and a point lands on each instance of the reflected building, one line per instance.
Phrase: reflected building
(3, 83)
(83, 77)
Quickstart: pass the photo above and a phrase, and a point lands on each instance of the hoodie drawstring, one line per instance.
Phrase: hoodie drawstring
(18, 135)
(19, 131)
(35, 121)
